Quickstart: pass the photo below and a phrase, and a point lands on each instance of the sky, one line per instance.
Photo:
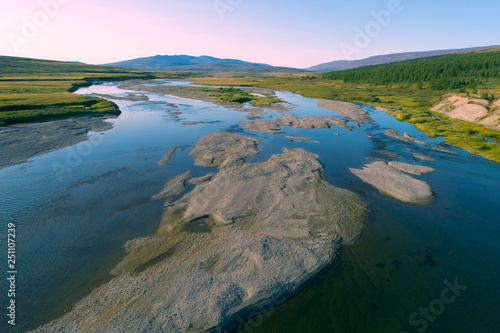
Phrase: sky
(288, 33)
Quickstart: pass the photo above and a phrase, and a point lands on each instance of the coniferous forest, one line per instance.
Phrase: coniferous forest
(452, 71)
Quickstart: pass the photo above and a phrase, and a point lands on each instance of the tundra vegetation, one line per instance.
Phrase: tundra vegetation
(32, 89)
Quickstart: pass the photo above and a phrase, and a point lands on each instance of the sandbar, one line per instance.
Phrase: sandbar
(220, 149)
(250, 234)
(411, 168)
(166, 158)
(300, 139)
(392, 182)
(351, 110)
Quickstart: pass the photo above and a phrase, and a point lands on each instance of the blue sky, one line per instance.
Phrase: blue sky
(280, 32)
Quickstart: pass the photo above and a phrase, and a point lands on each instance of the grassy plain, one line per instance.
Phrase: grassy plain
(32, 89)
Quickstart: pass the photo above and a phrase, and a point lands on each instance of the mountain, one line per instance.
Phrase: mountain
(10, 67)
(386, 59)
(186, 63)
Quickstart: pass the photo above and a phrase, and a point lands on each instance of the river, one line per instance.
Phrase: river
(416, 268)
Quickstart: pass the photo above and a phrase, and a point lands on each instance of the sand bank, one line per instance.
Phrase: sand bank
(191, 123)
(405, 137)
(311, 122)
(351, 110)
(411, 168)
(408, 138)
(392, 182)
(221, 149)
(259, 125)
(300, 139)
(249, 234)
(130, 97)
(18, 143)
(252, 112)
(423, 157)
(273, 125)
(166, 158)
(174, 186)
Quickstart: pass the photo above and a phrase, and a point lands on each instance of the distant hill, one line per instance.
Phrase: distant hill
(386, 59)
(444, 72)
(16, 67)
(186, 63)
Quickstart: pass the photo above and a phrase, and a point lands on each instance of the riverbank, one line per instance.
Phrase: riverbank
(20, 142)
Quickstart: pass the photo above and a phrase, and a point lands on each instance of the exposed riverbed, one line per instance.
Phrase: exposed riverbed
(76, 208)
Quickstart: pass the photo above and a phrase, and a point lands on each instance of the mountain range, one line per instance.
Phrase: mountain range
(204, 64)
(186, 63)
(341, 65)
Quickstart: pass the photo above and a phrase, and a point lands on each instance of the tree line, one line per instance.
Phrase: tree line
(452, 71)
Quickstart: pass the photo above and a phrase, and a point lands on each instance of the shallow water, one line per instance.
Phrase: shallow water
(76, 207)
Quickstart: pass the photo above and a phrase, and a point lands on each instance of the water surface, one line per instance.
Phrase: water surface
(75, 208)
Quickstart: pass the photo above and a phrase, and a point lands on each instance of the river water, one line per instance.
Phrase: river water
(416, 268)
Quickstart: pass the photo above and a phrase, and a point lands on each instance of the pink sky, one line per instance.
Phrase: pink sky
(101, 32)
(285, 33)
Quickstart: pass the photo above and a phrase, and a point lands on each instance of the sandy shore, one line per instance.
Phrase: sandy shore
(405, 137)
(300, 139)
(392, 182)
(273, 125)
(259, 125)
(18, 143)
(130, 97)
(252, 112)
(408, 138)
(423, 157)
(220, 150)
(166, 158)
(312, 122)
(411, 168)
(351, 110)
(249, 234)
